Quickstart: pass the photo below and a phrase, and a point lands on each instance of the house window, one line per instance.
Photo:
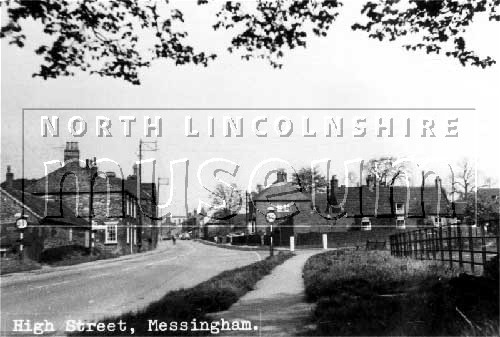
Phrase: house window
(400, 222)
(438, 221)
(111, 233)
(366, 224)
(400, 209)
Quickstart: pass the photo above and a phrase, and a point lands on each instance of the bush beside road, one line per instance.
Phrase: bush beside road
(373, 293)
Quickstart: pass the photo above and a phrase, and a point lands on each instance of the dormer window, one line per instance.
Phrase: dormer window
(400, 208)
(438, 221)
(366, 224)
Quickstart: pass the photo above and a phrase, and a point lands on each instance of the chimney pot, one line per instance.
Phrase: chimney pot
(438, 182)
(280, 176)
(71, 153)
(9, 177)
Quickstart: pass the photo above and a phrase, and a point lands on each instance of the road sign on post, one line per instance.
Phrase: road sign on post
(21, 223)
(271, 218)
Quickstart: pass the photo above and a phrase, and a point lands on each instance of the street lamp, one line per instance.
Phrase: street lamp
(21, 224)
(270, 218)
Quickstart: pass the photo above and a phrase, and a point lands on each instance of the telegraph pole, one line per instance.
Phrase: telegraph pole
(166, 183)
(149, 146)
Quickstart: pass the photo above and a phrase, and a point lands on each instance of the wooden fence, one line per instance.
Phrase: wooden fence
(464, 246)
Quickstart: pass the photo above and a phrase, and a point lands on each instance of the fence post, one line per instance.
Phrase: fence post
(426, 244)
(422, 245)
(433, 243)
(400, 245)
(483, 245)
(450, 253)
(471, 250)
(441, 242)
(414, 242)
(410, 251)
(460, 248)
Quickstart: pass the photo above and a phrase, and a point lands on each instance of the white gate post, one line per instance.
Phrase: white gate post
(292, 243)
(325, 242)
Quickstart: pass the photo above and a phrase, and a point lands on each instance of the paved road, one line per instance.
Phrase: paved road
(109, 287)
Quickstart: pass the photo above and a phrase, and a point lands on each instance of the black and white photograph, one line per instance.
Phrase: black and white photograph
(249, 168)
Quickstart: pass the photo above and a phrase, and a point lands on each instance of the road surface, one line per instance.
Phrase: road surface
(95, 290)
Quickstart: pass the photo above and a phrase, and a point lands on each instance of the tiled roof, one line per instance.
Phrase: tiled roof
(101, 184)
(377, 202)
(235, 220)
(284, 191)
(37, 205)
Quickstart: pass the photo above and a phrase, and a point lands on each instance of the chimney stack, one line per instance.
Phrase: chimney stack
(280, 176)
(9, 177)
(334, 186)
(368, 180)
(438, 183)
(72, 153)
(334, 183)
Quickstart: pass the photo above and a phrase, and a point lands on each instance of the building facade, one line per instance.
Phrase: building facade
(122, 214)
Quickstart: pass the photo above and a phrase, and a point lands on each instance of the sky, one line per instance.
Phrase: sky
(345, 70)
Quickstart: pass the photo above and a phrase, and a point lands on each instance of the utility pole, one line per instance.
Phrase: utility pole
(166, 183)
(148, 146)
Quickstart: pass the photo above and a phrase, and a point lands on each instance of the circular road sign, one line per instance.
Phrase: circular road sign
(22, 223)
(271, 216)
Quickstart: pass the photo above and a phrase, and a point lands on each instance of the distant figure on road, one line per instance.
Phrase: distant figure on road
(173, 239)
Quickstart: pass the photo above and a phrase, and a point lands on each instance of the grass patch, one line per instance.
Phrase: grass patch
(373, 293)
(215, 294)
(15, 265)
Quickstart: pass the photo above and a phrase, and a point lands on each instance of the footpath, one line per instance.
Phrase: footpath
(277, 304)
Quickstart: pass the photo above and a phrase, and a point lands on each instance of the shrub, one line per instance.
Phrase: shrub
(373, 293)
(57, 254)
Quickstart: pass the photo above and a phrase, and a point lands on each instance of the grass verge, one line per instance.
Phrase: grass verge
(184, 305)
(15, 265)
(372, 293)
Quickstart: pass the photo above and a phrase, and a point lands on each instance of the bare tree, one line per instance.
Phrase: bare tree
(464, 178)
(385, 170)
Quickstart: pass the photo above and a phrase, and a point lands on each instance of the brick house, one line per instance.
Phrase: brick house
(122, 221)
(400, 207)
(295, 211)
(43, 231)
(357, 208)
